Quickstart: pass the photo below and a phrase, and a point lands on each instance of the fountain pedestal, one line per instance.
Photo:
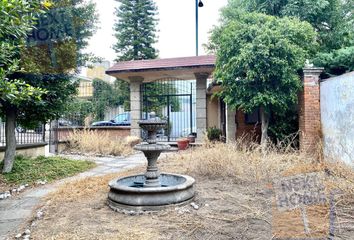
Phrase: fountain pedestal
(151, 191)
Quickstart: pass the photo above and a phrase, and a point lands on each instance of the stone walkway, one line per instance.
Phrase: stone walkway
(15, 211)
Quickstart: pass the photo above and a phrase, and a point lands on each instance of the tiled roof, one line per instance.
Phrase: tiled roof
(167, 63)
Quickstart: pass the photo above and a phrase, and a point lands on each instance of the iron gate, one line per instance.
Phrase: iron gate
(174, 101)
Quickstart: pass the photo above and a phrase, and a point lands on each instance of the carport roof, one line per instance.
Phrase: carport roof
(150, 70)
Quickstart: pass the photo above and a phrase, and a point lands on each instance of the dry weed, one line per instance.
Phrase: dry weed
(228, 210)
(83, 189)
(243, 162)
(93, 142)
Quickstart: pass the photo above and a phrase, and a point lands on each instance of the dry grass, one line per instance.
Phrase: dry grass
(100, 143)
(232, 191)
(242, 162)
(246, 162)
(84, 189)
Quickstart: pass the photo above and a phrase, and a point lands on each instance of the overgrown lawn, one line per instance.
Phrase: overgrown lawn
(29, 170)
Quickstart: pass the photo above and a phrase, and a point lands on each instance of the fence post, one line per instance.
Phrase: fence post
(309, 109)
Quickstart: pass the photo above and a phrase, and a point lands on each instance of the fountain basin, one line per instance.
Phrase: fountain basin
(129, 193)
(159, 147)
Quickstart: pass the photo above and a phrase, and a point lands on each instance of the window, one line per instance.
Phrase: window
(253, 117)
(122, 117)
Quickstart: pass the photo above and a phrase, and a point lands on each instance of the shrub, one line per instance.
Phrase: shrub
(94, 142)
(214, 133)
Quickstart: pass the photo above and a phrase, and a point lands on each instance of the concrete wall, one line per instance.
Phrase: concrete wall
(213, 112)
(337, 117)
(30, 150)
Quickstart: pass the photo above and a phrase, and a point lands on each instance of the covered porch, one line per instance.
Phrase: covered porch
(196, 71)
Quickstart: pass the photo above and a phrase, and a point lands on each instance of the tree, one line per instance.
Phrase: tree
(104, 95)
(135, 31)
(15, 19)
(332, 19)
(258, 58)
(46, 66)
(336, 62)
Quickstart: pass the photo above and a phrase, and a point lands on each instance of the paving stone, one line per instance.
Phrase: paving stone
(15, 211)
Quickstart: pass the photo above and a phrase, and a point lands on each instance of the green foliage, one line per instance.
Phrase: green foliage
(214, 133)
(155, 101)
(59, 89)
(332, 19)
(16, 18)
(64, 53)
(123, 92)
(135, 30)
(79, 109)
(258, 57)
(41, 97)
(104, 95)
(336, 62)
(17, 92)
(283, 125)
(30, 170)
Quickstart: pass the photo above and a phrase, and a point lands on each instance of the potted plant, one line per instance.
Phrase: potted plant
(214, 134)
(191, 137)
(182, 143)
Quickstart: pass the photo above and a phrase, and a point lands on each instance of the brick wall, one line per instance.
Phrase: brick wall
(249, 131)
(309, 110)
(114, 132)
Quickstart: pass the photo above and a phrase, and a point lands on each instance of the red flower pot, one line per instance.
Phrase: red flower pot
(183, 144)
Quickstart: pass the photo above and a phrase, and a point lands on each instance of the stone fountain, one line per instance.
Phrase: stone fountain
(150, 191)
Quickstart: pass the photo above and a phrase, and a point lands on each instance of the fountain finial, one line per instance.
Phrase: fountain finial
(152, 115)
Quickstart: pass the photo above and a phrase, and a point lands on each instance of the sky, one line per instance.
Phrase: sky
(176, 28)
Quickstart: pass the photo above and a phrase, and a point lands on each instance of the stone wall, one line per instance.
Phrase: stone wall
(29, 150)
(337, 117)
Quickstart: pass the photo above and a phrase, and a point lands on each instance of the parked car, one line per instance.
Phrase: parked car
(122, 119)
(64, 122)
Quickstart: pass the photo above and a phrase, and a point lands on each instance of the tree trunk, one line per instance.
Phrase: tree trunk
(10, 149)
(265, 123)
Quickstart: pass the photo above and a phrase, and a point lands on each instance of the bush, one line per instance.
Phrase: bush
(94, 142)
(214, 134)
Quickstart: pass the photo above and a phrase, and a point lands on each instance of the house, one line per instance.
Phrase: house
(208, 111)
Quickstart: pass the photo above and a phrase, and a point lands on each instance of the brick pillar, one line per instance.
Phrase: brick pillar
(201, 110)
(309, 109)
(135, 105)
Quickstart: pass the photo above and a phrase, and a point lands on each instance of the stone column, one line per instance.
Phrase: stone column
(230, 124)
(135, 105)
(201, 109)
(309, 109)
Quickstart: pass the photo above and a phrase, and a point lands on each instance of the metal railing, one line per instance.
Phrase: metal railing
(23, 135)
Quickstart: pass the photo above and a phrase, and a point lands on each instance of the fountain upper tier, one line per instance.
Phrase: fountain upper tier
(152, 125)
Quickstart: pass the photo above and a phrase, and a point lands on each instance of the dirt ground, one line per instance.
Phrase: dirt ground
(229, 209)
